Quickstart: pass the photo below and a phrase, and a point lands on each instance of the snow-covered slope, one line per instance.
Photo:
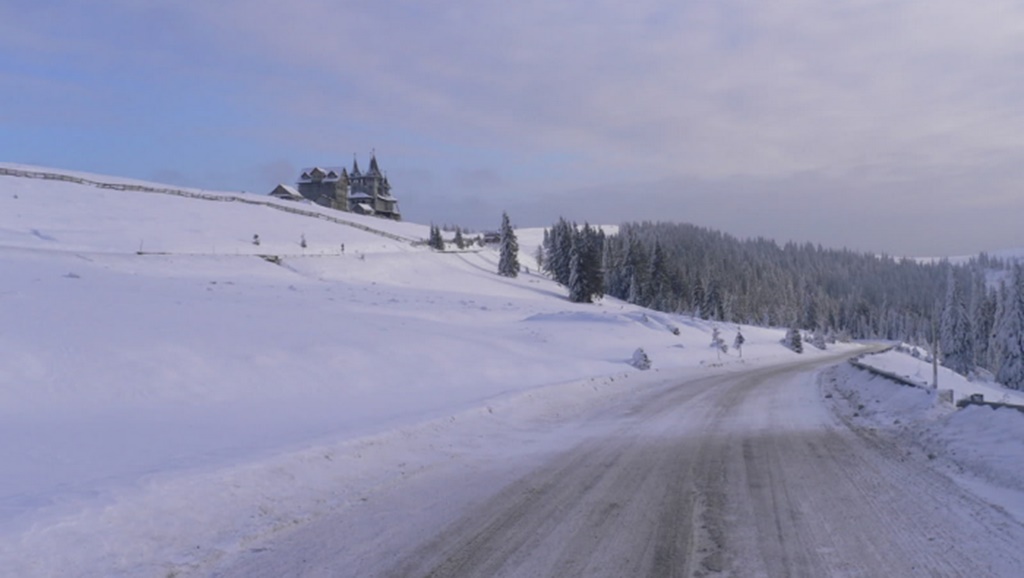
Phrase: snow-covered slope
(918, 370)
(171, 392)
(150, 359)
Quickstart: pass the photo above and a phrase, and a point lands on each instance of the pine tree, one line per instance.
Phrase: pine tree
(955, 331)
(713, 305)
(979, 312)
(563, 242)
(793, 340)
(737, 343)
(818, 338)
(718, 342)
(995, 346)
(557, 248)
(591, 255)
(577, 278)
(508, 261)
(460, 241)
(435, 241)
(658, 277)
(983, 314)
(634, 290)
(1010, 339)
(697, 298)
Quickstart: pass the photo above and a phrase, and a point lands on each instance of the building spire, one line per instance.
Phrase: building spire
(374, 169)
(355, 166)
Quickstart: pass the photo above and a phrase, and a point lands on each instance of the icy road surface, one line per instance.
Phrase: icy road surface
(739, 474)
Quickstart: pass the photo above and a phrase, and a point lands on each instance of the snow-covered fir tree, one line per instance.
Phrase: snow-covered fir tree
(818, 338)
(956, 333)
(557, 251)
(459, 240)
(657, 278)
(1010, 337)
(634, 290)
(983, 311)
(738, 342)
(508, 260)
(435, 241)
(575, 257)
(717, 341)
(577, 277)
(591, 245)
(995, 346)
(793, 340)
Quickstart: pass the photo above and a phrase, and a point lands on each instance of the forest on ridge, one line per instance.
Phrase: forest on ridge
(974, 309)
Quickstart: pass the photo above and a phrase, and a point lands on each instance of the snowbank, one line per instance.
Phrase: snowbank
(977, 445)
(919, 371)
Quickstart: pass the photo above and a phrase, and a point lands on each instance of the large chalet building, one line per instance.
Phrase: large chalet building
(366, 193)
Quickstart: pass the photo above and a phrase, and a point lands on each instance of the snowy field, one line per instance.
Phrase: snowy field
(165, 408)
(169, 398)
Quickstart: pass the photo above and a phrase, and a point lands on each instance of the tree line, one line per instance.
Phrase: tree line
(974, 309)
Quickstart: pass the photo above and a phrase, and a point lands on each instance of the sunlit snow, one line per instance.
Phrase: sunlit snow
(171, 391)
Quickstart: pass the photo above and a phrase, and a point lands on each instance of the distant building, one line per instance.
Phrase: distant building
(287, 193)
(366, 193)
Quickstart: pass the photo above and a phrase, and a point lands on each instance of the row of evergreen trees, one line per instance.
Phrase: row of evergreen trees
(436, 240)
(508, 262)
(982, 322)
(682, 268)
(573, 257)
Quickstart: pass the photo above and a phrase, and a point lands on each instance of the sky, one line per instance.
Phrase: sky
(877, 125)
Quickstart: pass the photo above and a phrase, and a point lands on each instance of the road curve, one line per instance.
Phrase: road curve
(743, 474)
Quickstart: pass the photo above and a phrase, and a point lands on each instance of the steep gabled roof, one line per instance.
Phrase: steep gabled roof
(286, 192)
(328, 174)
(374, 169)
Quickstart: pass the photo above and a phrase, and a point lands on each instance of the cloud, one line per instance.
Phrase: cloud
(527, 101)
(706, 89)
(709, 89)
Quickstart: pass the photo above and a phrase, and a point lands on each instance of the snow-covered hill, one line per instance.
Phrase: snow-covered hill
(151, 359)
(171, 392)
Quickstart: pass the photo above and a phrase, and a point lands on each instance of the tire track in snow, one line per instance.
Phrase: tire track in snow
(741, 474)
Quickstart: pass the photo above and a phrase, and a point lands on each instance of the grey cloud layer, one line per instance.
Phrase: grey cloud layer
(537, 98)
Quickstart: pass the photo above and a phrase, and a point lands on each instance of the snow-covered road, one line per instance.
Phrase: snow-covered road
(742, 474)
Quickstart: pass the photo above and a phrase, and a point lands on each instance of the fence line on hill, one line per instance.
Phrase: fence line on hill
(202, 196)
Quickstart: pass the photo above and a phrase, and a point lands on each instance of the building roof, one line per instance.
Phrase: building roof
(374, 169)
(329, 174)
(285, 192)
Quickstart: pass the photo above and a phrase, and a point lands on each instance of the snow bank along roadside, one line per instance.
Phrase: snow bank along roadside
(918, 371)
(978, 446)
